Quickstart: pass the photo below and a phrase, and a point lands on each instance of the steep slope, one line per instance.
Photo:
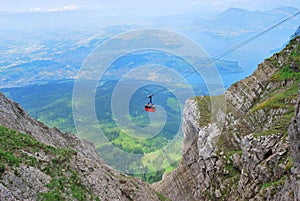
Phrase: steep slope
(239, 150)
(45, 164)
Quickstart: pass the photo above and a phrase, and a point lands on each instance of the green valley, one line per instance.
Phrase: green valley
(51, 103)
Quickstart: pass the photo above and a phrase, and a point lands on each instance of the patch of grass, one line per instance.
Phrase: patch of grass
(280, 126)
(208, 106)
(18, 149)
(204, 107)
(232, 152)
(233, 172)
(62, 185)
(50, 196)
(281, 182)
(224, 144)
(11, 145)
(267, 133)
(139, 146)
(285, 74)
(289, 164)
(278, 99)
(162, 197)
(272, 61)
(230, 181)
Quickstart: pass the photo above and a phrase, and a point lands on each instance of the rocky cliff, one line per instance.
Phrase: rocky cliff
(242, 147)
(39, 163)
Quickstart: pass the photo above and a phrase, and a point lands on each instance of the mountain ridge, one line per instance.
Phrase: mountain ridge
(45, 164)
(240, 150)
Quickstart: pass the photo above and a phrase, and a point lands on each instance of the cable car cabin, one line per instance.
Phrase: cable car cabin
(150, 107)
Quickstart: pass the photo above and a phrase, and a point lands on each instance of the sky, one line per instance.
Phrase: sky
(147, 7)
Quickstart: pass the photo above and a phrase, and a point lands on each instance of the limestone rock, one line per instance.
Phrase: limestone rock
(294, 135)
(246, 151)
(81, 173)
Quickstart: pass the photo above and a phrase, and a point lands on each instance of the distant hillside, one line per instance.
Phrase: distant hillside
(235, 21)
(232, 22)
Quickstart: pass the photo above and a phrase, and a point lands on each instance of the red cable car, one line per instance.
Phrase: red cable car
(150, 107)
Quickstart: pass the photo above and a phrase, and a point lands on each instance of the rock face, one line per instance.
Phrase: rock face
(243, 149)
(45, 164)
(292, 186)
(294, 134)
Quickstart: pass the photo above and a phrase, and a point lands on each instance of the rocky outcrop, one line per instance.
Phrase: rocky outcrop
(243, 150)
(45, 164)
(291, 189)
(294, 134)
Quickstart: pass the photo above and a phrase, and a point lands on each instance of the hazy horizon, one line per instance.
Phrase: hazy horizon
(142, 8)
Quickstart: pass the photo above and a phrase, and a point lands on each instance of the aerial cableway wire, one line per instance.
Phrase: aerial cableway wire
(231, 49)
